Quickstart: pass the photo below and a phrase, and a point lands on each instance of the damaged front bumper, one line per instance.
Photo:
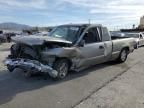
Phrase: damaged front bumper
(31, 66)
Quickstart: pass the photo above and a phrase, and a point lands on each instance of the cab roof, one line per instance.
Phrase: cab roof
(82, 25)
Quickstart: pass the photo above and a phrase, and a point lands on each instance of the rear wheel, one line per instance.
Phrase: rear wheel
(62, 67)
(123, 55)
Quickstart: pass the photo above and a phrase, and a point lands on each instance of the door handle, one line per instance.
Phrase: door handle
(101, 47)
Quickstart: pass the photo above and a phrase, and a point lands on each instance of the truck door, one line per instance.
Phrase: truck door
(93, 50)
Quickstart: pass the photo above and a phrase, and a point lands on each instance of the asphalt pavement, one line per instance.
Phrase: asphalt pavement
(16, 91)
(125, 91)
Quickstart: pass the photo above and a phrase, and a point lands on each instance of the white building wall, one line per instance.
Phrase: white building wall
(142, 21)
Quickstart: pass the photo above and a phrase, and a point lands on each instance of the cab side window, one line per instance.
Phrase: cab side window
(91, 36)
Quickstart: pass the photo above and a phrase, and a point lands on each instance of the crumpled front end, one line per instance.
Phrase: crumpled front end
(31, 66)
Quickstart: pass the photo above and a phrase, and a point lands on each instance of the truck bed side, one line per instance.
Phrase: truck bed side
(119, 44)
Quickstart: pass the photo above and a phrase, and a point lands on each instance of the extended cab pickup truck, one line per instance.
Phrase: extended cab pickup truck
(68, 47)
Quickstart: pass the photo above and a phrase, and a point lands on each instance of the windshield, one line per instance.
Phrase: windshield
(132, 35)
(68, 33)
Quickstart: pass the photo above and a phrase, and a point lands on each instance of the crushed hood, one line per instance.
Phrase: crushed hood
(38, 40)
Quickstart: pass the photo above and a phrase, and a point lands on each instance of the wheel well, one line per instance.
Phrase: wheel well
(65, 58)
(127, 48)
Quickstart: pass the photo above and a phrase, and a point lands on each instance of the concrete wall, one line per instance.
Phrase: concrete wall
(141, 22)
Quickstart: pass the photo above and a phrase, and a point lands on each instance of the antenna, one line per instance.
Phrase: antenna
(89, 21)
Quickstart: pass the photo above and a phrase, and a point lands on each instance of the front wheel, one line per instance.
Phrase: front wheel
(123, 56)
(62, 67)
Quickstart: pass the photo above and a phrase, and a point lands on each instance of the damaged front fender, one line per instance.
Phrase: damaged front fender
(68, 52)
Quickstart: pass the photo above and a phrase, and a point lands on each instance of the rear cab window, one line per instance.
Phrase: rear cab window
(105, 34)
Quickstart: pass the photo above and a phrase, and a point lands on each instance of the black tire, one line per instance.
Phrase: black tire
(136, 46)
(10, 68)
(8, 39)
(62, 66)
(123, 55)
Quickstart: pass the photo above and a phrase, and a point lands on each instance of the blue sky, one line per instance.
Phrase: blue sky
(113, 13)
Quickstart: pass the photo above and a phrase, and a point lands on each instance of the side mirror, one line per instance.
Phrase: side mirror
(82, 43)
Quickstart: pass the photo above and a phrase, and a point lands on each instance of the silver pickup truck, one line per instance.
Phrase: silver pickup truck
(68, 47)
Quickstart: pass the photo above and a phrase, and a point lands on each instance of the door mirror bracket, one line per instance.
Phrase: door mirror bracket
(82, 43)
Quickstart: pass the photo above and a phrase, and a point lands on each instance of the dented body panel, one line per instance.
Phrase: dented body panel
(35, 40)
